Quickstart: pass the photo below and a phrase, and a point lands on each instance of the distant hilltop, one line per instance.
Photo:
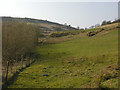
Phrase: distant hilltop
(44, 25)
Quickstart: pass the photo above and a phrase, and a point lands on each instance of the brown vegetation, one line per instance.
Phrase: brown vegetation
(18, 42)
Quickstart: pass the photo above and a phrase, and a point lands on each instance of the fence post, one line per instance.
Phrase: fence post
(29, 61)
(11, 67)
(26, 62)
(7, 71)
(16, 65)
(21, 62)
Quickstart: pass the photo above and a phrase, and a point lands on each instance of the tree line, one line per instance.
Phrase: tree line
(18, 43)
(105, 22)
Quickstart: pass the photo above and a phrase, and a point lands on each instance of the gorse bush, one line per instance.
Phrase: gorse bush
(92, 33)
(61, 34)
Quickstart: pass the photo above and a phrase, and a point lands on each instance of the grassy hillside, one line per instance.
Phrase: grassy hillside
(80, 62)
(44, 25)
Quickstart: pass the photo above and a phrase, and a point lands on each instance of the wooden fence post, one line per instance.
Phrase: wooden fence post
(26, 62)
(7, 71)
(22, 63)
(29, 62)
(16, 65)
(11, 67)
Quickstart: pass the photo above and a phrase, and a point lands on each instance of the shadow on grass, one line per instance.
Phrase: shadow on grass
(12, 79)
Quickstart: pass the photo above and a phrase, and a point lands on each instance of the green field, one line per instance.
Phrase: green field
(78, 63)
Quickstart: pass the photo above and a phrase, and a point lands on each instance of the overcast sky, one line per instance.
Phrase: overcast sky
(82, 14)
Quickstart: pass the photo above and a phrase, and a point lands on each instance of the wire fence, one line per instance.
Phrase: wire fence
(9, 68)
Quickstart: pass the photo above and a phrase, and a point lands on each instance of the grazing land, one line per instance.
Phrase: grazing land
(75, 60)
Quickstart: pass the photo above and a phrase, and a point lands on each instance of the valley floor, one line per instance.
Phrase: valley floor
(88, 62)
